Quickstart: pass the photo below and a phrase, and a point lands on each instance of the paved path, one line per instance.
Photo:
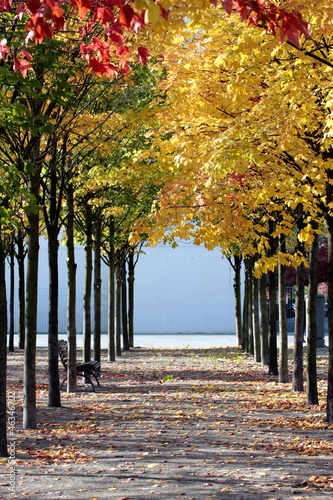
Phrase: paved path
(169, 424)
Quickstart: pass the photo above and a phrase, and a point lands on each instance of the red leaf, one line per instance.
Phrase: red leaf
(34, 6)
(143, 55)
(40, 28)
(82, 6)
(21, 65)
(126, 16)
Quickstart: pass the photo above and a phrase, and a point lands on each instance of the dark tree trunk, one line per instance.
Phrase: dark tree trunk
(272, 340)
(71, 287)
(131, 278)
(124, 316)
(312, 389)
(3, 352)
(247, 310)
(255, 320)
(111, 296)
(21, 287)
(329, 220)
(97, 292)
(298, 378)
(11, 297)
(87, 286)
(54, 387)
(118, 306)
(236, 263)
(264, 320)
(283, 355)
(29, 400)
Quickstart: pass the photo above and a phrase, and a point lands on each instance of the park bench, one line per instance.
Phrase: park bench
(86, 369)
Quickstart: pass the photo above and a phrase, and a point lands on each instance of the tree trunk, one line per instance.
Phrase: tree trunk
(264, 320)
(87, 287)
(111, 296)
(236, 263)
(29, 403)
(312, 389)
(255, 319)
(298, 378)
(52, 225)
(283, 354)
(11, 297)
(247, 312)
(329, 220)
(21, 288)
(3, 352)
(272, 339)
(118, 306)
(97, 292)
(54, 386)
(131, 278)
(71, 287)
(124, 316)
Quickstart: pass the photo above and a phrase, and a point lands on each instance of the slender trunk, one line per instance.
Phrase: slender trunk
(131, 278)
(71, 287)
(236, 264)
(312, 389)
(283, 354)
(255, 315)
(97, 292)
(11, 297)
(298, 378)
(3, 352)
(29, 401)
(29, 404)
(124, 316)
(272, 339)
(118, 307)
(329, 220)
(87, 287)
(21, 288)
(247, 320)
(54, 387)
(52, 225)
(111, 296)
(264, 320)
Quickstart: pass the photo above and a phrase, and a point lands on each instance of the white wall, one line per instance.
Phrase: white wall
(187, 289)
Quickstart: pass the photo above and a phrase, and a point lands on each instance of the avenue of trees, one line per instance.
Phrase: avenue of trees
(199, 125)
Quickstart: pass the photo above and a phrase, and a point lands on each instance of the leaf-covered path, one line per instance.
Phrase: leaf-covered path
(167, 424)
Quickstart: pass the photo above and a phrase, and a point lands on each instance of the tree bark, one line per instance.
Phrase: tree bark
(111, 295)
(118, 306)
(87, 286)
(312, 388)
(21, 287)
(3, 352)
(298, 378)
(124, 315)
(97, 292)
(71, 287)
(236, 264)
(131, 278)
(29, 400)
(255, 320)
(247, 310)
(283, 354)
(264, 320)
(11, 297)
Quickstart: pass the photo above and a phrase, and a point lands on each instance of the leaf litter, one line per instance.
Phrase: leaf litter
(174, 423)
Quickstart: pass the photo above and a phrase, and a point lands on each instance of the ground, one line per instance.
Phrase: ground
(173, 423)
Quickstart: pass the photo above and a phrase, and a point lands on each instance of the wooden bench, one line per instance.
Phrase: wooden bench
(86, 369)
